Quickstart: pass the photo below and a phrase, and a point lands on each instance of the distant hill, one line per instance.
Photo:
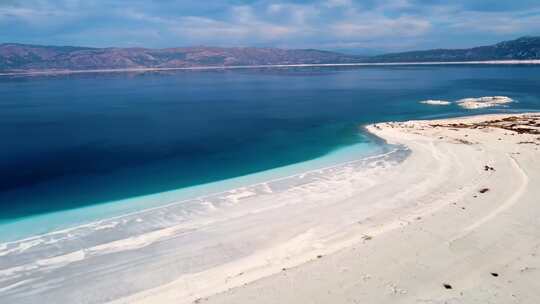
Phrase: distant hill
(524, 48)
(21, 57)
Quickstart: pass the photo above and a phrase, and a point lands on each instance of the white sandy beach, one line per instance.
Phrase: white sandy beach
(433, 226)
(484, 246)
(461, 209)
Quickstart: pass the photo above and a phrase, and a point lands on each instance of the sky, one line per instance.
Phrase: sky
(341, 25)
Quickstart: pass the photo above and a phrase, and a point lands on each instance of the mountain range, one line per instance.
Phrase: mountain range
(16, 57)
(524, 48)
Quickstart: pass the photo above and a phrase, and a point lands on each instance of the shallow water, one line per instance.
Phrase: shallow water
(99, 145)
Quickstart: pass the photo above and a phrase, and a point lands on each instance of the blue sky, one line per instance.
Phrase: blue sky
(346, 25)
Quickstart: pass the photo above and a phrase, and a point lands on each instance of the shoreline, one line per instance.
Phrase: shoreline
(358, 152)
(178, 202)
(369, 231)
(202, 68)
(85, 251)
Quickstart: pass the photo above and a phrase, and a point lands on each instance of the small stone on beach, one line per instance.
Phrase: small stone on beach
(367, 237)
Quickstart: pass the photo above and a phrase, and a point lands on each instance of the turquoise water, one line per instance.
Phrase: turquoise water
(82, 147)
(42, 223)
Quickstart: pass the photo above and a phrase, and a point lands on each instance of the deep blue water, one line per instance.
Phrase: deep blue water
(77, 140)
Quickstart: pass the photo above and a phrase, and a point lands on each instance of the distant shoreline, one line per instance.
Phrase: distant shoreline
(127, 70)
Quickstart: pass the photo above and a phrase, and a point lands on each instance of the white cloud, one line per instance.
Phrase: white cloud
(244, 28)
(338, 3)
(267, 22)
(365, 26)
(496, 22)
(293, 13)
(394, 5)
(28, 14)
(280, 22)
